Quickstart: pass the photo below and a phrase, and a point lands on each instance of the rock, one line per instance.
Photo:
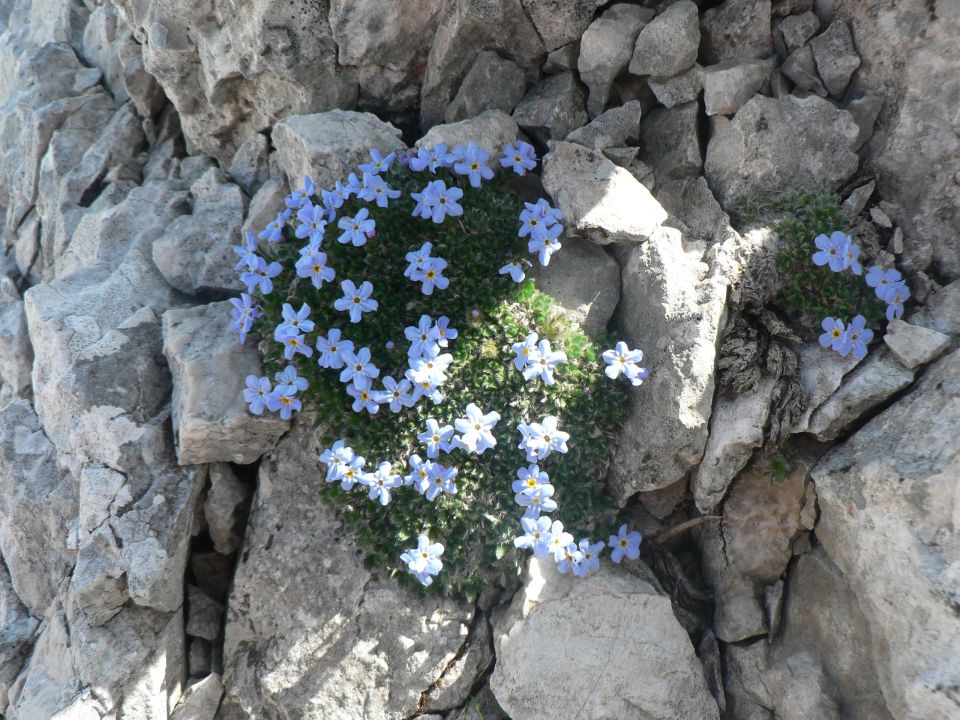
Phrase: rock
(690, 200)
(482, 706)
(204, 615)
(804, 143)
(199, 657)
(458, 679)
(836, 57)
(679, 89)
(671, 141)
(214, 425)
(858, 199)
(894, 483)
(605, 50)
(821, 372)
(616, 127)
(250, 166)
(328, 146)
(736, 430)
(600, 201)
(16, 634)
(779, 85)
(491, 83)
(559, 22)
(466, 26)
(598, 646)
(626, 157)
(16, 354)
(879, 218)
(553, 108)
(895, 245)
(225, 498)
(391, 644)
(584, 281)
(782, 8)
(913, 345)
(668, 44)
(941, 311)
(491, 130)
(265, 205)
(797, 29)
(801, 68)
(876, 379)
(195, 254)
(728, 85)
(736, 29)
(200, 700)
(562, 59)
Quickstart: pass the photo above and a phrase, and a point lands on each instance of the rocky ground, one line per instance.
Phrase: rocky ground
(163, 553)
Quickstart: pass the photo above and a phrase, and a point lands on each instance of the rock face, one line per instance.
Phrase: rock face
(370, 649)
(492, 83)
(566, 635)
(552, 109)
(894, 484)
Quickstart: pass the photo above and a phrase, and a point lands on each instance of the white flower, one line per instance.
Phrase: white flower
(542, 439)
(430, 370)
(526, 351)
(515, 270)
(622, 359)
(436, 438)
(424, 338)
(381, 482)
(475, 430)
(356, 301)
(544, 363)
(545, 242)
(558, 540)
(424, 561)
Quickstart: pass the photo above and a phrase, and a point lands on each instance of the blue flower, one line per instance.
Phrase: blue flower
(288, 382)
(361, 390)
(419, 475)
(293, 320)
(434, 158)
(530, 478)
(569, 558)
(285, 404)
(424, 561)
(332, 349)
(336, 459)
(526, 352)
(356, 301)
(859, 336)
(376, 190)
(444, 332)
(293, 343)
(358, 366)
(378, 163)
(441, 201)
(314, 266)
(835, 336)
(424, 339)
(621, 359)
(439, 481)
(429, 370)
(382, 482)
(416, 259)
(543, 241)
(273, 233)
(515, 270)
(476, 429)
(832, 250)
(247, 250)
(882, 279)
(256, 393)
(350, 473)
(589, 557)
(625, 543)
(431, 275)
(473, 164)
(261, 275)
(436, 438)
(895, 296)
(559, 540)
(536, 536)
(851, 258)
(242, 315)
(298, 198)
(544, 363)
(535, 215)
(312, 223)
(519, 156)
(539, 499)
(357, 228)
(397, 395)
(542, 439)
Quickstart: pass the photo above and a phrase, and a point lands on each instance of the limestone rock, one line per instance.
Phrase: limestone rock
(727, 86)
(16, 634)
(329, 146)
(801, 68)
(606, 48)
(894, 483)
(836, 57)
(200, 700)
(225, 497)
(559, 22)
(458, 680)
(265, 205)
(671, 141)
(595, 649)
(614, 128)
(584, 281)
(736, 29)
(16, 354)
(491, 130)
(821, 372)
(491, 83)
(668, 44)
(802, 143)
(562, 59)
(250, 166)
(865, 112)
(370, 649)
(214, 425)
(690, 200)
(941, 311)
(875, 379)
(858, 199)
(552, 109)
(913, 345)
(679, 89)
(204, 615)
(195, 254)
(797, 29)
(600, 201)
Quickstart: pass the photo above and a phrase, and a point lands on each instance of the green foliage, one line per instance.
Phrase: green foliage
(478, 524)
(810, 293)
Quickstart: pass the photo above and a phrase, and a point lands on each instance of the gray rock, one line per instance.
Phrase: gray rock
(797, 29)
(671, 141)
(16, 634)
(836, 57)
(584, 281)
(801, 68)
(865, 112)
(491, 83)
(858, 199)
(821, 372)
(16, 354)
(616, 127)
(895, 245)
(941, 311)
(875, 379)
(214, 425)
(552, 109)
(250, 166)
(728, 85)
(391, 644)
(782, 8)
(195, 254)
(559, 22)
(893, 482)
(224, 499)
(690, 200)
(265, 205)
(606, 48)
(736, 29)
(204, 615)
(491, 130)
(779, 85)
(600, 201)
(880, 218)
(328, 146)
(913, 345)
(458, 679)
(627, 158)
(679, 89)
(562, 59)
(482, 706)
(200, 700)
(806, 143)
(199, 657)
(668, 44)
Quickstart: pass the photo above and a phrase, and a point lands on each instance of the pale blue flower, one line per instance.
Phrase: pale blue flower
(312, 223)
(441, 201)
(835, 336)
(625, 543)
(425, 389)
(431, 275)
(376, 190)
(416, 259)
(515, 270)
(336, 459)
(436, 438)
(622, 360)
(536, 536)
(397, 395)
(242, 315)
(424, 338)
(424, 561)
(851, 258)
(273, 233)
(356, 229)
(541, 439)
(430, 370)
(530, 478)
(378, 163)
(444, 332)
(544, 363)
(419, 475)
(882, 279)
(895, 296)
(559, 540)
(246, 250)
(314, 266)
(357, 366)
(520, 157)
(476, 429)
(526, 352)
(537, 215)
(332, 348)
(859, 336)
(432, 158)
(352, 472)
(543, 241)
(536, 501)
(361, 390)
(569, 558)
(256, 393)
(260, 275)
(286, 405)
(356, 301)
(298, 198)
(589, 557)
(382, 482)
(296, 321)
(295, 343)
(473, 164)
(288, 382)
(440, 481)
(832, 250)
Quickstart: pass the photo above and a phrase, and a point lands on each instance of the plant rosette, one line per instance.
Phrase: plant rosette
(451, 395)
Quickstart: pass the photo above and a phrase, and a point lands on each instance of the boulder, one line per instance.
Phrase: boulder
(250, 166)
(802, 143)
(727, 86)
(797, 29)
(941, 312)
(801, 68)
(668, 44)
(606, 48)
(492, 130)
(491, 83)
(614, 128)
(560, 22)
(600, 201)
(690, 200)
(552, 109)
(736, 29)
(893, 484)
(572, 648)
(679, 89)
(200, 700)
(821, 372)
(671, 141)
(210, 418)
(370, 649)
(836, 57)
(562, 59)
(913, 345)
